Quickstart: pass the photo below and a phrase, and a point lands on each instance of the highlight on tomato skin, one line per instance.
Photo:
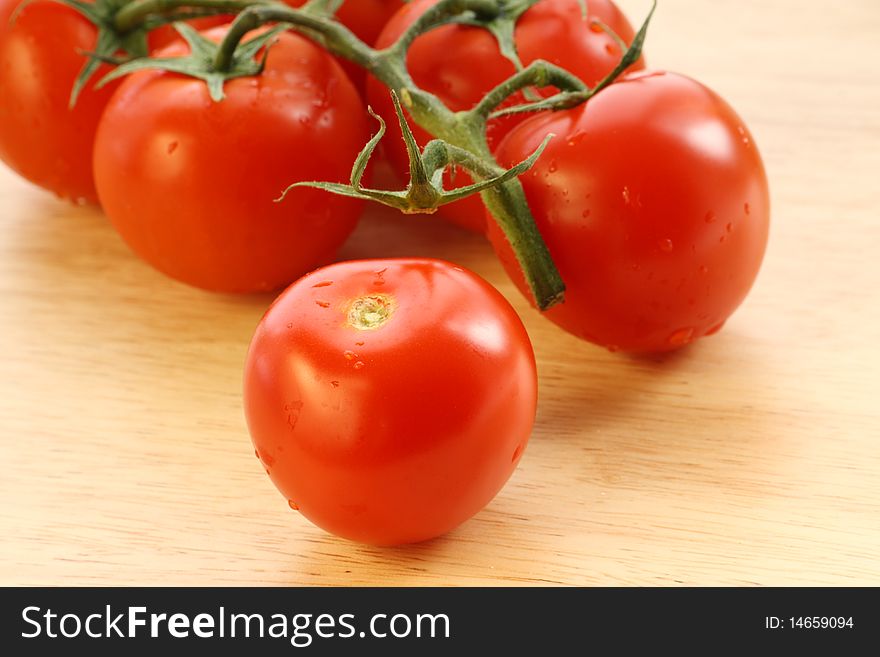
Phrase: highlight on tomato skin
(654, 204)
(461, 63)
(390, 400)
(190, 183)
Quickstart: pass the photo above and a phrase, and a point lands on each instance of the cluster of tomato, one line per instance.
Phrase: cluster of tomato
(391, 400)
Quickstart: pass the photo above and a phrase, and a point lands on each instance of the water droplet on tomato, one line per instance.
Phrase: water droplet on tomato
(729, 227)
(595, 27)
(323, 284)
(742, 133)
(613, 348)
(335, 384)
(704, 269)
(610, 49)
(585, 214)
(747, 208)
(358, 365)
(710, 217)
(666, 245)
(257, 453)
(172, 147)
(293, 505)
(625, 194)
(576, 137)
(323, 304)
(553, 167)
(290, 325)
(722, 238)
(358, 344)
(349, 355)
(681, 337)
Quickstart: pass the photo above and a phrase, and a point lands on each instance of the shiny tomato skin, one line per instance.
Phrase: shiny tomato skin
(191, 184)
(41, 137)
(462, 63)
(654, 203)
(395, 434)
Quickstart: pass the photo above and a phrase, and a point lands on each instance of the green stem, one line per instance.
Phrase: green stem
(439, 14)
(133, 14)
(334, 36)
(509, 207)
(537, 74)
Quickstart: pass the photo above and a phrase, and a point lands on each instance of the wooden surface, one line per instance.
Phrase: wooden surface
(752, 457)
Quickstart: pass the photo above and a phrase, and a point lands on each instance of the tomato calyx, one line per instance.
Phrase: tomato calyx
(425, 192)
(111, 45)
(202, 61)
(567, 97)
(123, 27)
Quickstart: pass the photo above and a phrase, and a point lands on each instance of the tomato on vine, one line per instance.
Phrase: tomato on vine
(190, 183)
(42, 137)
(390, 400)
(653, 201)
(461, 63)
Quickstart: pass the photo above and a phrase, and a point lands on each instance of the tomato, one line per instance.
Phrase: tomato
(190, 183)
(460, 64)
(41, 138)
(390, 400)
(654, 204)
(365, 18)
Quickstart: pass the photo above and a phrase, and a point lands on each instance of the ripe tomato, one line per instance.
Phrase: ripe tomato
(460, 64)
(41, 138)
(190, 183)
(365, 18)
(390, 400)
(654, 204)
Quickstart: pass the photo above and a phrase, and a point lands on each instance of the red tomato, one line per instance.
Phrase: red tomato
(190, 183)
(460, 64)
(365, 18)
(654, 204)
(390, 400)
(41, 138)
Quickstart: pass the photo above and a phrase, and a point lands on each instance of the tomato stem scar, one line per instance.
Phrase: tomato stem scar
(370, 312)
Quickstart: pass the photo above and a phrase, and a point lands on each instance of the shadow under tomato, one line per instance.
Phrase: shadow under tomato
(491, 548)
(697, 414)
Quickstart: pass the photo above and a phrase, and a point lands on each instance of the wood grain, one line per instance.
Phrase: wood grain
(751, 458)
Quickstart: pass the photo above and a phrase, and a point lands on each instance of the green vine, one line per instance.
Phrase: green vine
(460, 136)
